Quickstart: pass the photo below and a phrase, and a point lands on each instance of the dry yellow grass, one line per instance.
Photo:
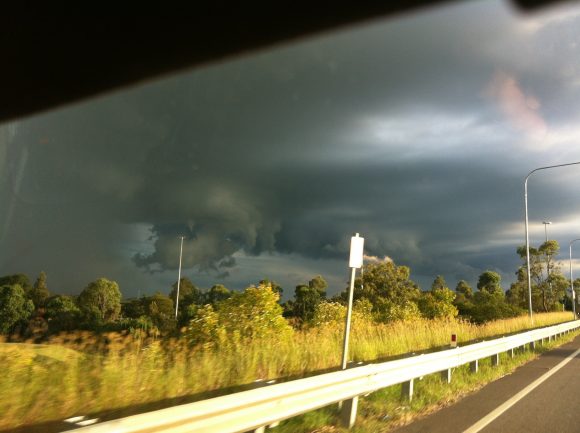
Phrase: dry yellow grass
(81, 373)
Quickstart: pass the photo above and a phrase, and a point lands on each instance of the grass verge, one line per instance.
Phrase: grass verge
(82, 373)
(385, 410)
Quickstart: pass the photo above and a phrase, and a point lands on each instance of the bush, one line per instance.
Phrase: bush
(252, 314)
(491, 306)
(205, 328)
(334, 313)
(15, 309)
(392, 312)
(438, 303)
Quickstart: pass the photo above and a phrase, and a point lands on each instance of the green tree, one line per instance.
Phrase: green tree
(491, 306)
(327, 313)
(307, 297)
(62, 313)
(438, 303)
(333, 314)
(19, 279)
(305, 301)
(489, 281)
(217, 293)
(463, 288)
(389, 289)
(134, 308)
(439, 283)
(254, 313)
(189, 293)
(39, 292)
(517, 294)
(463, 298)
(319, 284)
(100, 302)
(205, 328)
(388, 311)
(276, 288)
(15, 309)
(547, 286)
(161, 310)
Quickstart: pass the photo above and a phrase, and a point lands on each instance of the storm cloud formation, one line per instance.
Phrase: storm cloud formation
(416, 133)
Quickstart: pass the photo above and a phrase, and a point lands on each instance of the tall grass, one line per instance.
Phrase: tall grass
(82, 373)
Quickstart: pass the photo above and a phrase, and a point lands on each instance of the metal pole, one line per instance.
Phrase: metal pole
(546, 224)
(528, 252)
(348, 319)
(527, 232)
(178, 278)
(572, 280)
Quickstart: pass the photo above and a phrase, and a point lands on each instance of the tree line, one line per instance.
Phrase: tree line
(383, 292)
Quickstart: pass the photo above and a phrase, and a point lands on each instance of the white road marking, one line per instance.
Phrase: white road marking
(88, 422)
(74, 419)
(490, 417)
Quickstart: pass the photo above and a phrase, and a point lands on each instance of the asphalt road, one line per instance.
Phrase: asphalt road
(541, 396)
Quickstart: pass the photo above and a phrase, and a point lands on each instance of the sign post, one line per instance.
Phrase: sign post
(349, 407)
(355, 262)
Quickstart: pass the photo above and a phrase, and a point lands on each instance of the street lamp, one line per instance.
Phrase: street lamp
(178, 278)
(546, 224)
(572, 280)
(527, 232)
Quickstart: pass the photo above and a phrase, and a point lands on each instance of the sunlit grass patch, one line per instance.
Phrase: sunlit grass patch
(386, 409)
(81, 373)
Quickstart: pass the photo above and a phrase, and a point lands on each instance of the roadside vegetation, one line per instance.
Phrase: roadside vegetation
(385, 410)
(94, 352)
(83, 372)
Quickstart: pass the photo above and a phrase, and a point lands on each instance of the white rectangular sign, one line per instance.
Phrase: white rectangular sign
(356, 252)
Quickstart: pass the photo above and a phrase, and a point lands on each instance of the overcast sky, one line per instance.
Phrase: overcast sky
(417, 132)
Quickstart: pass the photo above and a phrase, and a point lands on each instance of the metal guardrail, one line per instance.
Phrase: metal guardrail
(254, 409)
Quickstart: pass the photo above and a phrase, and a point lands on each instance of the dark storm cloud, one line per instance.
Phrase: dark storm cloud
(416, 133)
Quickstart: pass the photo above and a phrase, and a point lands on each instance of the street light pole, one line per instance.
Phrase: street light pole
(178, 278)
(546, 224)
(527, 231)
(572, 280)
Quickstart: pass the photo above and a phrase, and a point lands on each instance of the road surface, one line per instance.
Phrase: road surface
(540, 396)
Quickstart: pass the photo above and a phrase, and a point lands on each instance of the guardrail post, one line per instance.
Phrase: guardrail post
(511, 352)
(407, 390)
(474, 366)
(259, 384)
(495, 360)
(533, 345)
(446, 375)
(348, 412)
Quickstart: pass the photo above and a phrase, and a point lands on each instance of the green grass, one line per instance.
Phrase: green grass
(82, 373)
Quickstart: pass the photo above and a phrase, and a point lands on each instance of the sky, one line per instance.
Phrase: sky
(416, 132)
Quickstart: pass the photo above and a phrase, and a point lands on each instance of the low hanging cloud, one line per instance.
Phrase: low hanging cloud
(376, 259)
